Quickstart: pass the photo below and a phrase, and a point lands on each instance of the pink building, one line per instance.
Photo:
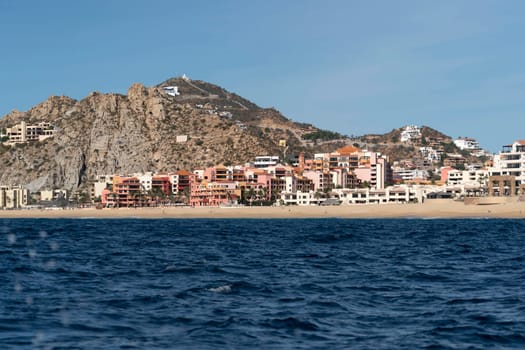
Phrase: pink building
(322, 181)
(374, 169)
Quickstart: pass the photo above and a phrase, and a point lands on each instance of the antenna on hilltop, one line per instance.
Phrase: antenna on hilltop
(184, 77)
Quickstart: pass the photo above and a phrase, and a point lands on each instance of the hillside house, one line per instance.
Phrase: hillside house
(22, 133)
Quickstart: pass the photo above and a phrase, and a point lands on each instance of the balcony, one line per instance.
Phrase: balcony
(511, 157)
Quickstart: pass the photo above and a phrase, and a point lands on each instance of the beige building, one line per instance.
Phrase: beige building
(51, 195)
(22, 133)
(13, 197)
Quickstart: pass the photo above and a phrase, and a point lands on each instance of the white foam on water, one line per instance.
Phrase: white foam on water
(51, 264)
(11, 238)
(54, 246)
(170, 268)
(65, 318)
(38, 338)
(222, 289)
(42, 234)
(32, 253)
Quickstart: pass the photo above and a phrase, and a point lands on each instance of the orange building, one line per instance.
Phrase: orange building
(161, 184)
(210, 193)
(127, 192)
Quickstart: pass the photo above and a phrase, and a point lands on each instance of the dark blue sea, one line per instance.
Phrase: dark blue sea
(262, 284)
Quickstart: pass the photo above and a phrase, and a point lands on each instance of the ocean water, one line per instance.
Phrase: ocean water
(262, 284)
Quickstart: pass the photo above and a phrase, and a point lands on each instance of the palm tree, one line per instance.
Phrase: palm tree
(250, 195)
(317, 195)
(261, 194)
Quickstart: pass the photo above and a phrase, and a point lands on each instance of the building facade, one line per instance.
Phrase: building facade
(511, 162)
(14, 197)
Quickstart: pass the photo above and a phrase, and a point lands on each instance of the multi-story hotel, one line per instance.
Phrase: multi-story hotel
(511, 162)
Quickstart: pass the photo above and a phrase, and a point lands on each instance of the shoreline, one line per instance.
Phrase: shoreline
(436, 208)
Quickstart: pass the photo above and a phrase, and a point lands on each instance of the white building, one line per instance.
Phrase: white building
(474, 178)
(265, 161)
(409, 174)
(510, 161)
(410, 133)
(145, 180)
(301, 198)
(467, 143)
(392, 194)
(171, 90)
(100, 183)
(430, 153)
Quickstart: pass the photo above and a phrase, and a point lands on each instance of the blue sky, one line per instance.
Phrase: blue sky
(351, 66)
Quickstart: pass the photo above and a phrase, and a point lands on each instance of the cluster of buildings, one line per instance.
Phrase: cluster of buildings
(263, 181)
(435, 154)
(347, 175)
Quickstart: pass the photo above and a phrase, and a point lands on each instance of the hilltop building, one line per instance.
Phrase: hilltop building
(467, 143)
(22, 133)
(410, 133)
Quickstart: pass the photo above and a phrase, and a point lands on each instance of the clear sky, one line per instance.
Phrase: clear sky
(350, 66)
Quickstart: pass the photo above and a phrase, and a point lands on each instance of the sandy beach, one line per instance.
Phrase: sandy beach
(439, 208)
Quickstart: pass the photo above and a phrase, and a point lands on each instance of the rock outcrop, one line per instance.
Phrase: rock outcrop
(145, 130)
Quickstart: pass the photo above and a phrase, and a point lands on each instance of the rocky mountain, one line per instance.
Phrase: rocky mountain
(149, 129)
(178, 124)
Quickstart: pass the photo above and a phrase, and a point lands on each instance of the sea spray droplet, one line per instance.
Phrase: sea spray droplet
(64, 318)
(18, 287)
(51, 264)
(39, 337)
(31, 253)
(11, 238)
(29, 300)
(42, 234)
(54, 246)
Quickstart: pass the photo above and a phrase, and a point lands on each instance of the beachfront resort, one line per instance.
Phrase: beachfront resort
(348, 175)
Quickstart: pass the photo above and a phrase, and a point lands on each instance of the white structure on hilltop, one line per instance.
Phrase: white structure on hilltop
(471, 145)
(411, 132)
(467, 143)
(171, 90)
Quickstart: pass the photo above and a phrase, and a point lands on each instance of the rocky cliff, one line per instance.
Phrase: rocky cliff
(138, 132)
